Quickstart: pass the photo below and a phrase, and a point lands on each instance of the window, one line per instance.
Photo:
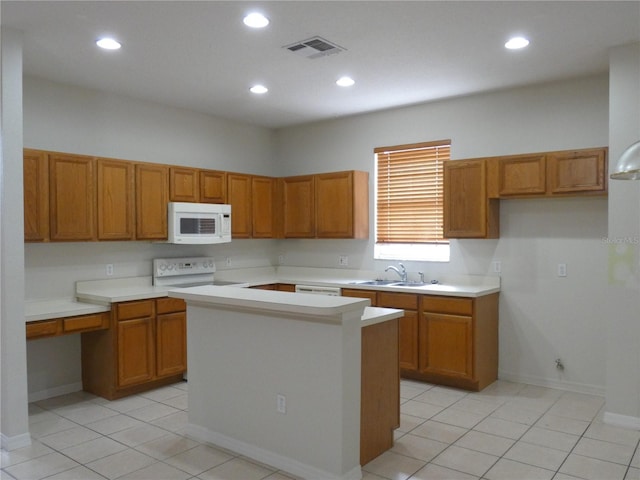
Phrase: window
(409, 200)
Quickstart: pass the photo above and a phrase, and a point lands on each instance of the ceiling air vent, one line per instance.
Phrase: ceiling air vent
(315, 47)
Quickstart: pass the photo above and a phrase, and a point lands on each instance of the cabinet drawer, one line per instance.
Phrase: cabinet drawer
(286, 287)
(355, 293)
(138, 309)
(270, 286)
(46, 328)
(407, 301)
(85, 322)
(455, 305)
(170, 305)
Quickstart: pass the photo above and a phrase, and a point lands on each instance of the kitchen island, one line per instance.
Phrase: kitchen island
(277, 376)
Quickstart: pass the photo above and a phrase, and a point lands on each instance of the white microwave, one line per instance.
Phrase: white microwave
(199, 223)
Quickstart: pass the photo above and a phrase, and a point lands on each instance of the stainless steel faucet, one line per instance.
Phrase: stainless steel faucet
(403, 273)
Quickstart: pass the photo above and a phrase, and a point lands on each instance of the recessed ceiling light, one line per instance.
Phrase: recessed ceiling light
(259, 89)
(256, 20)
(108, 43)
(345, 81)
(516, 43)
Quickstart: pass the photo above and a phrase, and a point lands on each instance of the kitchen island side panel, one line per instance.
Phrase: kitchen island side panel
(239, 362)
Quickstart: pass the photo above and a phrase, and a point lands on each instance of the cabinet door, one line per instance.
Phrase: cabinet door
(213, 186)
(115, 200)
(263, 190)
(582, 171)
(408, 326)
(171, 344)
(152, 195)
(136, 348)
(334, 205)
(184, 185)
(522, 175)
(239, 196)
(72, 197)
(448, 345)
(299, 207)
(467, 211)
(408, 334)
(36, 196)
(372, 295)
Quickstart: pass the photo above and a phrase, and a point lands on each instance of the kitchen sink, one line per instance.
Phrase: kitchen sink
(376, 282)
(392, 283)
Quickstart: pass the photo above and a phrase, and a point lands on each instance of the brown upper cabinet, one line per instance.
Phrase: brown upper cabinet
(36, 196)
(239, 197)
(213, 186)
(326, 205)
(152, 197)
(263, 206)
(194, 185)
(549, 174)
(184, 185)
(298, 203)
(521, 175)
(342, 205)
(468, 212)
(577, 171)
(473, 188)
(71, 197)
(115, 200)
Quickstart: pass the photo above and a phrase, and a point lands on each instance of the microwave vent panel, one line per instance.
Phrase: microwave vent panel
(314, 47)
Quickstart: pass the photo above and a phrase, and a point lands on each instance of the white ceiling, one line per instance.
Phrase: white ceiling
(199, 55)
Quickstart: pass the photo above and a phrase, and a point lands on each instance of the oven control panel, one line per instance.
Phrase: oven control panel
(171, 267)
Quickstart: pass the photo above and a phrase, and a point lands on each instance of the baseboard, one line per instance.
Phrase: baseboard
(557, 384)
(17, 441)
(618, 420)
(54, 392)
(267, 457)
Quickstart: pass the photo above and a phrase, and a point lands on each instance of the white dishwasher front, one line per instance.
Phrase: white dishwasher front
(319, 290)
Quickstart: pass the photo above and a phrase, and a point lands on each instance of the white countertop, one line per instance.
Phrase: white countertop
(284, 302)
(97, 295)
(269, 300)
(106, 292)
(35, 310)
(373, 315)
(452, 285)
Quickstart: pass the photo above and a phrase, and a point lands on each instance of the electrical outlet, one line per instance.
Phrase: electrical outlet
(281, 259)
(562, 269)
(497, 266)
(109, 269)
(343, 260)
(281, 403)
(227, 261)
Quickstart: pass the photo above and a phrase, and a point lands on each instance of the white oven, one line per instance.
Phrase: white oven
(187, 272)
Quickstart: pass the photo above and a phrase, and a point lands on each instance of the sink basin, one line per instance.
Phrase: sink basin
(376, 282)
(410, 284)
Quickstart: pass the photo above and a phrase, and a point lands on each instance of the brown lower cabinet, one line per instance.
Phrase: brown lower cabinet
(281, 287)
(379, 389)
(408, 325)
(145, 347)
(443, 339)
(67, 325)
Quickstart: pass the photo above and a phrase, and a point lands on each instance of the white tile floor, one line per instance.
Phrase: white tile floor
(508, 431)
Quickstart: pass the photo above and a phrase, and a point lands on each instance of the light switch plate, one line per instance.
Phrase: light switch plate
(562, 269)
